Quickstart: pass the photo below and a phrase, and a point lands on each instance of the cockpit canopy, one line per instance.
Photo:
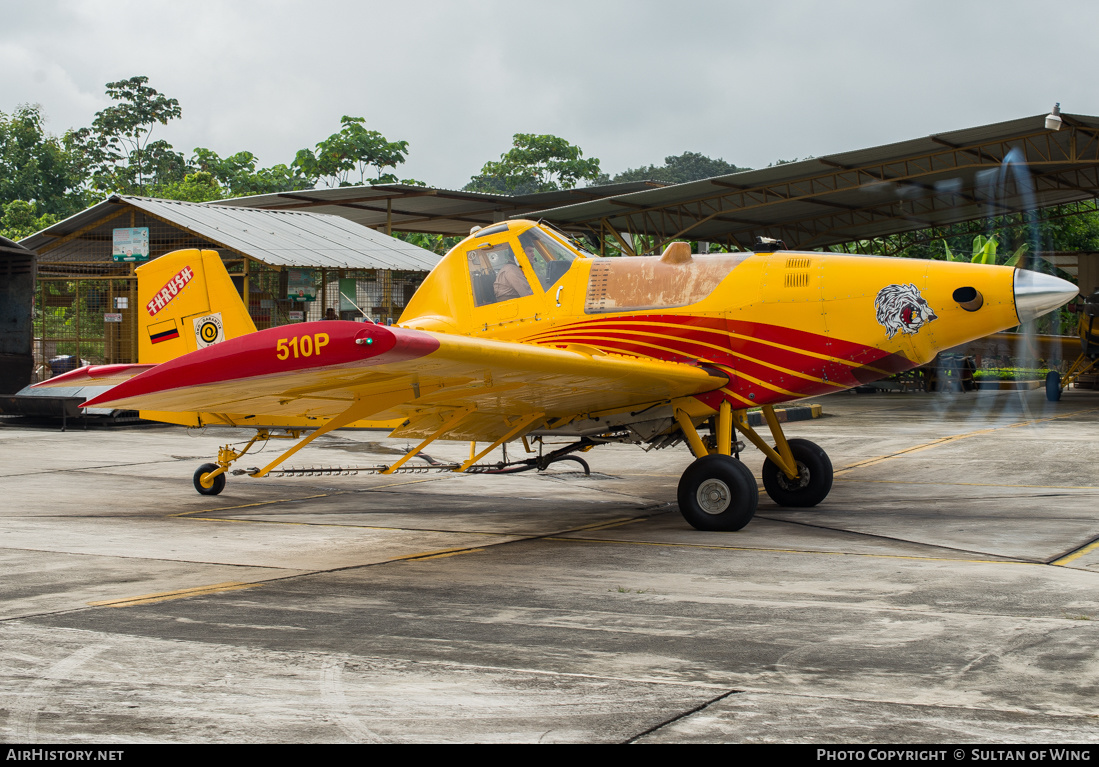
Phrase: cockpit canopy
(499, 263)
(496, 274)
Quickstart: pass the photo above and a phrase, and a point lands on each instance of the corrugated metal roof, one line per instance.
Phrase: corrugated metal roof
(10, 247)
(425, 209)
(916, 184)
(275, 237)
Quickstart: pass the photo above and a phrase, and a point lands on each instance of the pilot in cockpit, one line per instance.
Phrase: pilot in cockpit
(510, 282)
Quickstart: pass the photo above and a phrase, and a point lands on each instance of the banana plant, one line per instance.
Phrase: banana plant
(984, 252)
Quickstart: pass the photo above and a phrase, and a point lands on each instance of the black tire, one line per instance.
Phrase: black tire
(1053, 386)
(718, 492)
(814, 476)
(219, 480)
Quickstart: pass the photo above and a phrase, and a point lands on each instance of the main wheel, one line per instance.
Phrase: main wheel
(219, 480)
(1053, 386)
(718, 492)
(814, 476)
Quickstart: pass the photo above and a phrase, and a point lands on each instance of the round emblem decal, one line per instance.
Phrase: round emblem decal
(209, 330)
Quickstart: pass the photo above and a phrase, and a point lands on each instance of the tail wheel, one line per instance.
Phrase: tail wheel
(718, 492)
(1053, 386)
(219, 480)
(813, 482)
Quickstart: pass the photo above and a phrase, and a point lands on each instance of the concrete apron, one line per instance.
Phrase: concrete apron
(946, 590)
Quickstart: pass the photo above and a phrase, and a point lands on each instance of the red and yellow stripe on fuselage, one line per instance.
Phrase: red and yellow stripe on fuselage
(766, 364)
(780, 339)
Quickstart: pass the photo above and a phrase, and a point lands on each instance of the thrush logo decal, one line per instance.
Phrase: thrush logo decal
(169, 291)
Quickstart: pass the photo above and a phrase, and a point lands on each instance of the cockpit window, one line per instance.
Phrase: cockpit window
(495, 275)
(549, 258)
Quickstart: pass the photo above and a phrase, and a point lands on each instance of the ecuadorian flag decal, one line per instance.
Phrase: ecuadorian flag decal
(163, 331)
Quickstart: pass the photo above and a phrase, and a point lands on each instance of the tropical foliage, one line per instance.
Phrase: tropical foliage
(44, 178)
(535, 163)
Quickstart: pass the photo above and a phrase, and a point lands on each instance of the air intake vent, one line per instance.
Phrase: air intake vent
(797, 263)
(797, 279)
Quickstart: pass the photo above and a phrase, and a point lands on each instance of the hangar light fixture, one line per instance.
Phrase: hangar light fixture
(1053, 119)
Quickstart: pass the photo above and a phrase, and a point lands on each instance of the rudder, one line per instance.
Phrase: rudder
(188, 302)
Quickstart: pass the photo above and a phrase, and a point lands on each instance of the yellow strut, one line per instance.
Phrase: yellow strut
(360, 409)
(689, 431)
(522, 424)
(740, 421)
(780, 441)
(226, 455)
(447, 426)
(725, 428)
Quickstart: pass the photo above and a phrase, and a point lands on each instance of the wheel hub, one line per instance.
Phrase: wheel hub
(802, 481)
(713, 496)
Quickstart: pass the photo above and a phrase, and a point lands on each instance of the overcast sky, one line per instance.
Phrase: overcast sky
(629, 82)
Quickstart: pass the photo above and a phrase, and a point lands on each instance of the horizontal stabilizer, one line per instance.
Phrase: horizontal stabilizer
(95, 375)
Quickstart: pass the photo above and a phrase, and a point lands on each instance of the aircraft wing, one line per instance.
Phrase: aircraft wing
(322, 370)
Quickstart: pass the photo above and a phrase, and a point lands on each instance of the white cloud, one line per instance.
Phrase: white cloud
(630, 82)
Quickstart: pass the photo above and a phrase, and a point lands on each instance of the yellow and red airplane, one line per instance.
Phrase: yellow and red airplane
(519, 334)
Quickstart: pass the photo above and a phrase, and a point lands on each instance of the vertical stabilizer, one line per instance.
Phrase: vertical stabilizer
(187, 301)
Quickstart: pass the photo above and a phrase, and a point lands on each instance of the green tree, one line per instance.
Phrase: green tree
(354, 150)
(436, 243)
(117, 147)
(679, 169)
(238, 177)
(535, 163)
(20, 219)
(35, 167)
(194, 187)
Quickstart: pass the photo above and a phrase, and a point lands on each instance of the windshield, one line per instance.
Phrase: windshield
(549, 258)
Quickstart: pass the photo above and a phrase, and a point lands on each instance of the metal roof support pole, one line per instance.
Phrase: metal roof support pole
(244, 282)
(131, 296)
(389, 216)
(110, 332)
(627, 249)
(79, 334)
(387, 294)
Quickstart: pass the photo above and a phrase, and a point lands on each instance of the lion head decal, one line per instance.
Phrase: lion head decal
(900, 307)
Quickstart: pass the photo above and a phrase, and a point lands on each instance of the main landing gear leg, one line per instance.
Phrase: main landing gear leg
(799, 474)
(717, 492)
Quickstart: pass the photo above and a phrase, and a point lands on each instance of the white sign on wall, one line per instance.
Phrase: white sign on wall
(130, 244)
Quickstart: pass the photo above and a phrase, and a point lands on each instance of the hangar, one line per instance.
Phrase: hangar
(882, 200)
(910, 188)
(86, 292)
(907, 191)
(406, 208)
